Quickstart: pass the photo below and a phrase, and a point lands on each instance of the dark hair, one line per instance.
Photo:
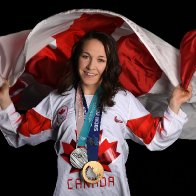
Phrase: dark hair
(110, 82)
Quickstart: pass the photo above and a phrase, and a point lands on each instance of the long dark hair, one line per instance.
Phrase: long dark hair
(110, 82)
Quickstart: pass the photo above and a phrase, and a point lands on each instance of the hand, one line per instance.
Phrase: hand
(180, 96)
(5, 99)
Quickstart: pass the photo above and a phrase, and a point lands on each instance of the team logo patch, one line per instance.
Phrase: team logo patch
(62, 114)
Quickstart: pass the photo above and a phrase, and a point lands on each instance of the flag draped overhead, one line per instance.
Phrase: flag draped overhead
(33, 60)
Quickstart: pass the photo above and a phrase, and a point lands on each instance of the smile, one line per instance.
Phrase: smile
(89, 74)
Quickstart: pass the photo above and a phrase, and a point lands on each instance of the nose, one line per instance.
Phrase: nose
(91, 64)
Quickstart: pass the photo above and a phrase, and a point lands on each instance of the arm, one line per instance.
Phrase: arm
(31, 128)
(158, 133)
(178, 97)
(5, 99)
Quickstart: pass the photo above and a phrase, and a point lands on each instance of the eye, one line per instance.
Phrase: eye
(84, 56)
(101, 60)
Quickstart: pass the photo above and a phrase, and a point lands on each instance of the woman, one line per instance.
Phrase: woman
(92, 153)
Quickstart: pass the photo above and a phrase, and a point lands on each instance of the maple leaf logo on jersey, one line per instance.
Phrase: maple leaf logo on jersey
(106, 155)
(68, 148)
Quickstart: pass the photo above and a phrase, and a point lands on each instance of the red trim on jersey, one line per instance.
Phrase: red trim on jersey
(19, 120)
(33, 123)
(144, 127)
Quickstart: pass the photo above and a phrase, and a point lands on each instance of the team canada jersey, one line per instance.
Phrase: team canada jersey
(55, 118)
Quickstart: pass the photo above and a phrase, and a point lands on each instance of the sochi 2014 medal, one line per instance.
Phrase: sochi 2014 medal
(78, 158)
(92, 172)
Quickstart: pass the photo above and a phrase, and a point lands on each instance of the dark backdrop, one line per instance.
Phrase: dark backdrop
(32, 170)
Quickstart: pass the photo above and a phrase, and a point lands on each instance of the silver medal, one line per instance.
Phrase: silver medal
(78, 158)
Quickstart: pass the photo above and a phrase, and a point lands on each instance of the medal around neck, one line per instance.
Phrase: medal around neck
(92, 172)
(79, 158)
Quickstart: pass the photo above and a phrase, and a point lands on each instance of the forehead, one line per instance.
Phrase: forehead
(94, 47)
(93, 43)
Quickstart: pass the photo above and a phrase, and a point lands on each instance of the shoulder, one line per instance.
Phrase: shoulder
(124, 95)
(122, 104)
(126, 100)
(67, 95)
(122, 100)
(129, 105)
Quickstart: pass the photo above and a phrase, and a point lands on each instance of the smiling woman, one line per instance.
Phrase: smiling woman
(90, 141)
(92, 64)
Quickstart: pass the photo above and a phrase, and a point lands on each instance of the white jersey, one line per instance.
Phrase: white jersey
(55, 118)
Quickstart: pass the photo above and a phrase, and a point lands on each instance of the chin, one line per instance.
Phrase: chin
(88, 82)
(91, 82)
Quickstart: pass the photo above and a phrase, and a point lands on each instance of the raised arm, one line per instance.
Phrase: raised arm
(33, 127)
(157, 133)
(5, 99)
(178, 97)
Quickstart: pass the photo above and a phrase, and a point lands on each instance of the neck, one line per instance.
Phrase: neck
(89, 89)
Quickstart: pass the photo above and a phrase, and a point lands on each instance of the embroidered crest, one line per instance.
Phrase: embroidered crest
(61, 114)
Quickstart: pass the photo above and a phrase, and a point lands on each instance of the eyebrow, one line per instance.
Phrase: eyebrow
(90, 55)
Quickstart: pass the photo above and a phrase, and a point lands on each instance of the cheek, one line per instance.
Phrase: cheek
(102, 69)
(81, 63)
(81, 66)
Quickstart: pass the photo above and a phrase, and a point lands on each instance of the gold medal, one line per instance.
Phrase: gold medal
(92, 172)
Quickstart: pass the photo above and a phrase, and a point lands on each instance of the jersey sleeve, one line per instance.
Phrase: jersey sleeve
(33, 127)
(157, 133)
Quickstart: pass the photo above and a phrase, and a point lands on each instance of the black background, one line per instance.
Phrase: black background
(33, 170)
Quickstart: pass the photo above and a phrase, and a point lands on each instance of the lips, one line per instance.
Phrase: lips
(89, 74)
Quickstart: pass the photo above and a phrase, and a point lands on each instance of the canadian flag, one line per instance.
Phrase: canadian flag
(33, 60)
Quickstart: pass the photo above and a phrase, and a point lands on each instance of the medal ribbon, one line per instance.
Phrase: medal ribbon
(79, 110)
(93, 137)
(89, 121)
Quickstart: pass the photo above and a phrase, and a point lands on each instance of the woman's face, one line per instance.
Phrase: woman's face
(92, 63)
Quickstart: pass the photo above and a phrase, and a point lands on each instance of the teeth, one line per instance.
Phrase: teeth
(90, 74)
